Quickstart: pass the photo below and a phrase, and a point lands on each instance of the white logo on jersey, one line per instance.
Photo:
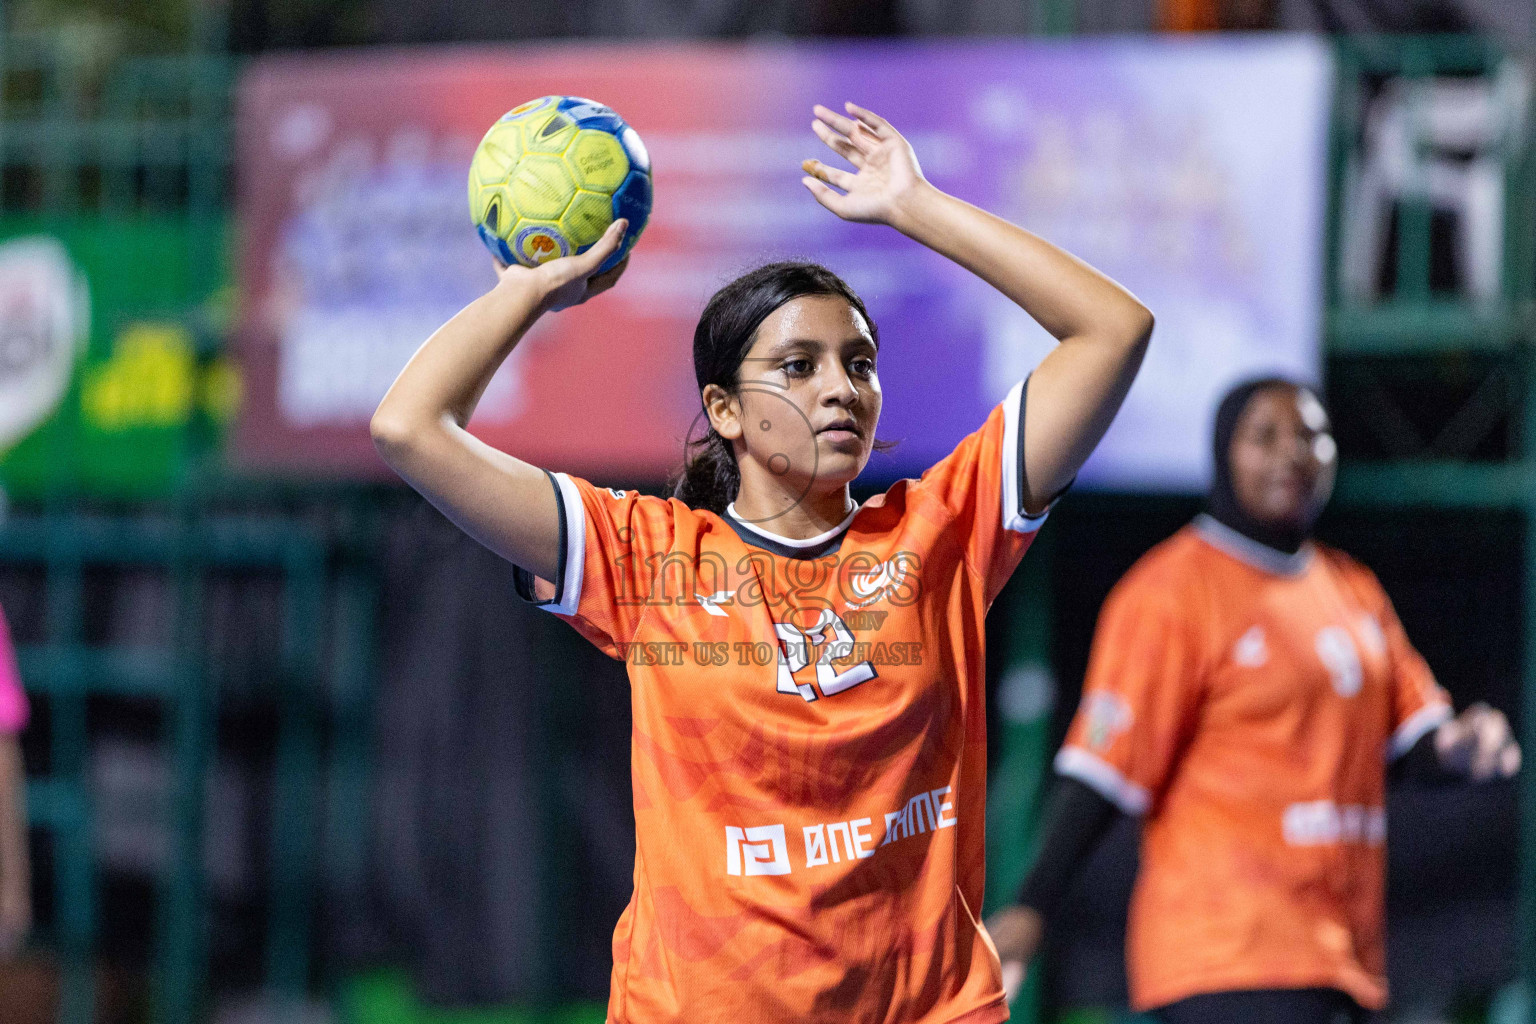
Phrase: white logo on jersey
(1372, 636)
(869, 587)
(821, 840)
(1336, 648)
(756, 851)
(1108, 716)
(1322, 821)
(712, 603)
(1251, 651)
(925, 812)
(763, 851)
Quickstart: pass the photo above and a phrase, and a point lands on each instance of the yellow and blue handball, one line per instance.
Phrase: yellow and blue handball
(552, 174)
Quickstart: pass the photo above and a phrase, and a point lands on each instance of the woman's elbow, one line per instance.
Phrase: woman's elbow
(392, 435)
(1139, 328)
(1132, 334)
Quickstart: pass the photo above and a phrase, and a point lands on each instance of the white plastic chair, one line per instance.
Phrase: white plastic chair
(1440, 141)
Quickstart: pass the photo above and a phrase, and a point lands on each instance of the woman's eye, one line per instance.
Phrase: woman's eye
(863, 367)
(797, 367)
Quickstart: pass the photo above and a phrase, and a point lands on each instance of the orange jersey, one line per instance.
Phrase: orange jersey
(809, 746)
(1246, 702)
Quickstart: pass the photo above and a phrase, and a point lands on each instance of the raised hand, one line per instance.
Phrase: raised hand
(886, 173)
(571, 280)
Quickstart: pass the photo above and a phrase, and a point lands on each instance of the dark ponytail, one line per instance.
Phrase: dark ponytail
(710, 477)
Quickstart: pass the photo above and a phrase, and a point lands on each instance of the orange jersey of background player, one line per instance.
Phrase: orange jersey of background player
(1246, 703)
(809, 745)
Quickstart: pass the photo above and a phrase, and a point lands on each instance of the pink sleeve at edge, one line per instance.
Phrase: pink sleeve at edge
(13, 702)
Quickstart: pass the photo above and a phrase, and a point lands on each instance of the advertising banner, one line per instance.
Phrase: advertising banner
(1190, 170)
(111, 382)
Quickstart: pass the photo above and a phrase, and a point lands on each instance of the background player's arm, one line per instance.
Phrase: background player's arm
(1141, 699)
(1478, 744)
(1075, 819)
(15, 873)
(1427, 742)
(421, 426)
(1076, 390)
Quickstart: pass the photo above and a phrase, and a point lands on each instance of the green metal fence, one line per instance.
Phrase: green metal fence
(155, 136)
(1413, 322)
(152, 134)
(328, 604)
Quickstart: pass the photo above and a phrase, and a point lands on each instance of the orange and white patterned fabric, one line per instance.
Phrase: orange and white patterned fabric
(809, 746)
(1246, 702)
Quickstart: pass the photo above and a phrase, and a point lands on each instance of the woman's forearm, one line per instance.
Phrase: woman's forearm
(1065, 295)
(420, 428)
(1076, 390)
(1076, 818)
(450, 372)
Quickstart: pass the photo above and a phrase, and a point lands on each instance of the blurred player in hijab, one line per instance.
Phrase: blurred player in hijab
(1247, 690)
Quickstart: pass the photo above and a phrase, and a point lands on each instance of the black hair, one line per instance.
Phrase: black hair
(1222, 504)
(710, 476)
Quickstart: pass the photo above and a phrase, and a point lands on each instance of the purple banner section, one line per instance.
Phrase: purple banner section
(1193, 171)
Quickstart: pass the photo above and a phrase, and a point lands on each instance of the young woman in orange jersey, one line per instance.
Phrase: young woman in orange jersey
(808, 751)
(1246, 692)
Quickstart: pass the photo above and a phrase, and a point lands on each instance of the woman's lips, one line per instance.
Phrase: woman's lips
(1290, 487)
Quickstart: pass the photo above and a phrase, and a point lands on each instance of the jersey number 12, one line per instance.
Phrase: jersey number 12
(799, 648)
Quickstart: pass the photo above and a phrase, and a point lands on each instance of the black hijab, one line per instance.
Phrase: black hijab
(1222, 504)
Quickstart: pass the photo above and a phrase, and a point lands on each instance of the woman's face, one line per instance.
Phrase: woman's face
(1283, 457)
(809, 398)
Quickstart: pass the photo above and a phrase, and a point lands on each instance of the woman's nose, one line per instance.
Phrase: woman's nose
(840, 390)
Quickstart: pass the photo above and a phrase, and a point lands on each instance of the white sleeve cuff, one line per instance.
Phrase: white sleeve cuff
(1013, 462)
(1104, 779)
(571, 561)
(1421, 722)
(574, 558)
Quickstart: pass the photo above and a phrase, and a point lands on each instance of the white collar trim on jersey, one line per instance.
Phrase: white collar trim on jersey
(1245, 549)
(809, 542)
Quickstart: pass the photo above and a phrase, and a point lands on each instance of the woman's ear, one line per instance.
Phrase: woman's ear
(724, 411)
